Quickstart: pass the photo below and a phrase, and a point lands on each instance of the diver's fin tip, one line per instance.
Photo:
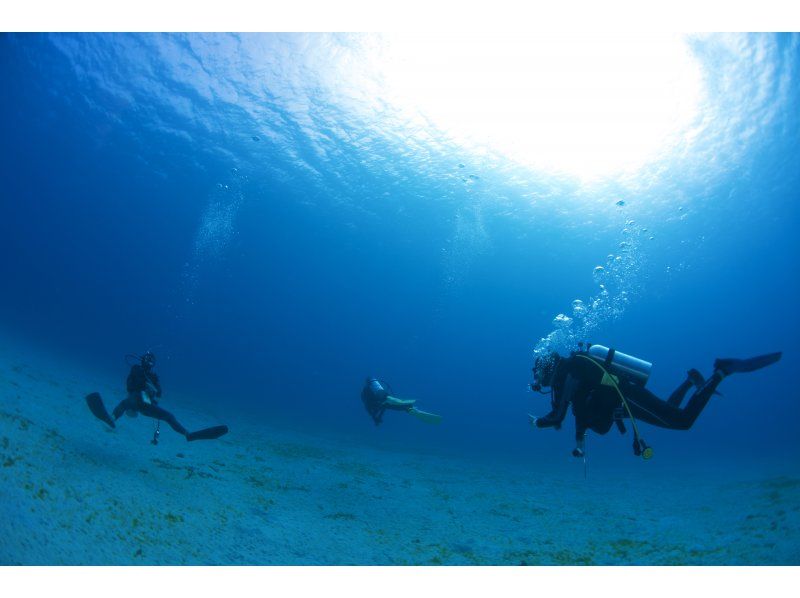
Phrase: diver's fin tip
(207, 433)
(428, 418)
(737, 366)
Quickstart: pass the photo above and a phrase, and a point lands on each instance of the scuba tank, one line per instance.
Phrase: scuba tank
(375, 385)
(621, 364)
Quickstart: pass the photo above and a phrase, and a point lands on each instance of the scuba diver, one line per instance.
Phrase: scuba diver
(606, 387)
(143, 388)
(377, 400)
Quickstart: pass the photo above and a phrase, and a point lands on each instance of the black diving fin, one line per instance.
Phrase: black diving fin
(738, 366)
(98, 409)
(207, 433)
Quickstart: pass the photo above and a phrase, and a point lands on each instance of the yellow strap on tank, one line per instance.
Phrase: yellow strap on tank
(609, 380)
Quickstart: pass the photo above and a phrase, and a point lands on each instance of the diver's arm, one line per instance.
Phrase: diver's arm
(580, 439)
(552, 419)
(580, 448)
(562, 395)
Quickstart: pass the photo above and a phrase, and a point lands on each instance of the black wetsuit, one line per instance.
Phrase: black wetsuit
(578, 380)
(141, 382)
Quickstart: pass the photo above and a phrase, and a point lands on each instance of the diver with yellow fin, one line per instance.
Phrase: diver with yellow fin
(606, 387)
(376, 398)
(143, 388)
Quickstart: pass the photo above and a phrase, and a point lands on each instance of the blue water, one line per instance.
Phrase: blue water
(262, 213)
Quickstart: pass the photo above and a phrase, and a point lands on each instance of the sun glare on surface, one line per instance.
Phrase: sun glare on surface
(582, 106)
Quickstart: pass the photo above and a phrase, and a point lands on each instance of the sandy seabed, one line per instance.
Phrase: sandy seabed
(74, 492)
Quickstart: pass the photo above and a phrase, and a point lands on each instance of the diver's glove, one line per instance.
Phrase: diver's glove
(532, 420)
(579, 450)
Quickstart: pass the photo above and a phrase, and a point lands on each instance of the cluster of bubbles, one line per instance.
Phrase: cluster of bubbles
(616, 281)
(217, 228)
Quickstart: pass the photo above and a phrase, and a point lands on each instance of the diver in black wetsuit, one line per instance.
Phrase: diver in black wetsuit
(602, 394)
(143, 388)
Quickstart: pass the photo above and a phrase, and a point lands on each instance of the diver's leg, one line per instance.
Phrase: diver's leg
(396, 404)
(160, 414)
(676, 398)
(125, 405)
(699, 400)
(722, 368)
(693, 378)
(647, 407)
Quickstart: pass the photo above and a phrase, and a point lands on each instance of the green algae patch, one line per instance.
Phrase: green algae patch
(188, 470)
(567, 557)
(625, 548)
(358, 469)
(523, 557)
(782, 483)
(23, 422)
(267, 483)
(341, 516)
(291, 450)
(781, 489)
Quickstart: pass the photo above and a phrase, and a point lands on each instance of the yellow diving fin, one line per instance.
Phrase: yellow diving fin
(428, 418)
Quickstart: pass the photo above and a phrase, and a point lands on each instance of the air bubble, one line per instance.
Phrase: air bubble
(562, 321)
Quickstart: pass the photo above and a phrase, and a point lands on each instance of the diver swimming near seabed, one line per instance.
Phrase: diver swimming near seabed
(144, 387)
(605, 387)
(377, 399)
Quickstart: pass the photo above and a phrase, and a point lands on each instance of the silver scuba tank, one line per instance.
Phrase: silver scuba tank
(377, 388)
(622, 364)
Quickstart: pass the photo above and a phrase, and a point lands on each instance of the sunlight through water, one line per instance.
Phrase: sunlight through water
(580, 106)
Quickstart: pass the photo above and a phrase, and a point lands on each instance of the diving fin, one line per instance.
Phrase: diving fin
(738, 366)
(98, 409)
(428, 418)
(207, 433)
